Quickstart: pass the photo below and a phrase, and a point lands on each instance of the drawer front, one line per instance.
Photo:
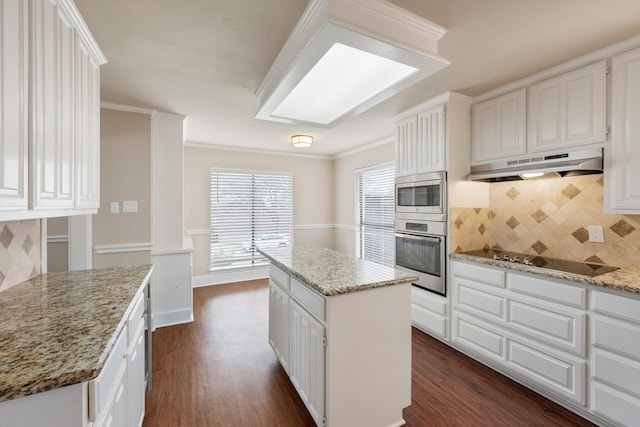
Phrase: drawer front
(479, 302)
(560, 374)
(100, 387)
(616, 306)
(614, 404)
(616, 335)
(560, 328)
(279, 276)
(310, 300)
(545, 289)
(479, 338)
(136, 319)
(429, 321)
(490, 276)
(617, 371)
(429, 301)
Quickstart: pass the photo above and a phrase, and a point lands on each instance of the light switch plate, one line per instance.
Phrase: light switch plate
(130, 206)
(115, 207)
(596, 233)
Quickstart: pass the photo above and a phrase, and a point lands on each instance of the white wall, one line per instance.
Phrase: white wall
(313, 201)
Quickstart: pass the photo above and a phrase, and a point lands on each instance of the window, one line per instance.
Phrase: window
(249, 210)
(376, 200)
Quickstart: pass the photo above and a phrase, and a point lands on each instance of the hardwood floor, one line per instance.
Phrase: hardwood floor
(221, 371)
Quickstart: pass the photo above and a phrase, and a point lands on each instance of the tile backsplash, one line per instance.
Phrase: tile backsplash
(20, 251)
(549, 217)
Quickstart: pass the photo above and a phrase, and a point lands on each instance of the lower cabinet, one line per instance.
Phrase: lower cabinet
(545, 334)
(279, 323)
(429, 313)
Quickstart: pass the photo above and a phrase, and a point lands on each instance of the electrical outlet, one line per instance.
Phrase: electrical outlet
(596, 234)
(115, 207)
(129, 206)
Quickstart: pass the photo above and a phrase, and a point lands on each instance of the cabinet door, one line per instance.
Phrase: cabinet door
(622, 189)
(499, 127)
(430, 140)
(136, 381)
(279, 324)
(88, 128)
(307, 359)
(14, 82)
(568, 110)
(406, 155)
(52, 106)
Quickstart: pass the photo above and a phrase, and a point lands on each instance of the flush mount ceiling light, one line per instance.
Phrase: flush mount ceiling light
(301, 141)
(345, 56)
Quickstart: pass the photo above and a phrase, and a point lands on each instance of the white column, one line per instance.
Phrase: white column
(80, 242)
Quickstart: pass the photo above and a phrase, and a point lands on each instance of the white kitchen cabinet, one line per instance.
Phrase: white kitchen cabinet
(536, 337)
(279, 323)
(568, 110)
(615, 358)
(14, 80)
(52, 106)
(88, 128)
(135, 385)
(622, 192)
(307, 359)
(429, 313)
(421, 142)
(499, 127)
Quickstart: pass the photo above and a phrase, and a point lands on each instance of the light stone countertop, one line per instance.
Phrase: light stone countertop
(331, 272)
(58, 329)
(625, 279)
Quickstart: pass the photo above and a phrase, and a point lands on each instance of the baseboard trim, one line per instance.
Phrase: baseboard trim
(230, 276)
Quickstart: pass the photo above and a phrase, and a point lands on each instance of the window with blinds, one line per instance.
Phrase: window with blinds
(249, 210)
(376, 200)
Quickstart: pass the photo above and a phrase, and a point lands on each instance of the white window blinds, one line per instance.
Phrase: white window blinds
(376, 196)
(249, 210)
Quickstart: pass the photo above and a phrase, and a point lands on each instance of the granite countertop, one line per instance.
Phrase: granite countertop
(58, 329)
(625, 279)
(332, 273)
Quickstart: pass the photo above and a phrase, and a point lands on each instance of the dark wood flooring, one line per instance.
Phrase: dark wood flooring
(220, 371)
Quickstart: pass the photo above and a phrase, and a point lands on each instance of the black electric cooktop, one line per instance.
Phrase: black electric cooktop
(582, 268)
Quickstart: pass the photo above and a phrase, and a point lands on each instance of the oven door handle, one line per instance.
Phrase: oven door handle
(417, 237)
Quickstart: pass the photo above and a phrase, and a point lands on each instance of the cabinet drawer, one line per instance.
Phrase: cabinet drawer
(136, 319)
(616, 335)
(313, 302)
(490, 276)
(478, 338)
(431, 322)
(617, 371)
(479, 302)
(615, 404)
(545, 289)
(616, 306)
(561, 374)
(429, 301)
(562, 328)
(279, 276)
(101, 387)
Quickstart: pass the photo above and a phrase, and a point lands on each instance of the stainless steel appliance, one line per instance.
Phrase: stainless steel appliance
(422, 196)
(421, 251)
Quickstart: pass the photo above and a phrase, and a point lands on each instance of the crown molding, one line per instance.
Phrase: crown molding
(127, 108)
(254, 150)
(83, 30)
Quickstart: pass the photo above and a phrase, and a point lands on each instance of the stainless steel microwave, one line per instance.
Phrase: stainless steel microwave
(422, 196)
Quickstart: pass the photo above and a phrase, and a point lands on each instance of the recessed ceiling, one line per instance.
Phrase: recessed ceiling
(206, 58)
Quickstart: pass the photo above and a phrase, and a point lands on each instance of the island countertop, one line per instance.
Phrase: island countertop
(331, 272)
(58, 329)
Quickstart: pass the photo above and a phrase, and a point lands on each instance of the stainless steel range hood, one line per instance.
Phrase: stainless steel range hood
(542, 166)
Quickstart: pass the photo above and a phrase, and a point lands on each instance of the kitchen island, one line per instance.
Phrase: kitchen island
(59, 335)
(341, 328)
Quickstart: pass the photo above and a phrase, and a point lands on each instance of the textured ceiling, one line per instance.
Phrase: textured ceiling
(206, 58)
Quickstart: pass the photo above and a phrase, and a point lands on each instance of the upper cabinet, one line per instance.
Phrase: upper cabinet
(568, 110)
(49, 110)
(14, 81)
(499, 127)
(622, 192)
(421, 143)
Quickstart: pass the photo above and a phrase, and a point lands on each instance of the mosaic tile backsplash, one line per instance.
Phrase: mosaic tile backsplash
(549, 217)
(20, 251)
